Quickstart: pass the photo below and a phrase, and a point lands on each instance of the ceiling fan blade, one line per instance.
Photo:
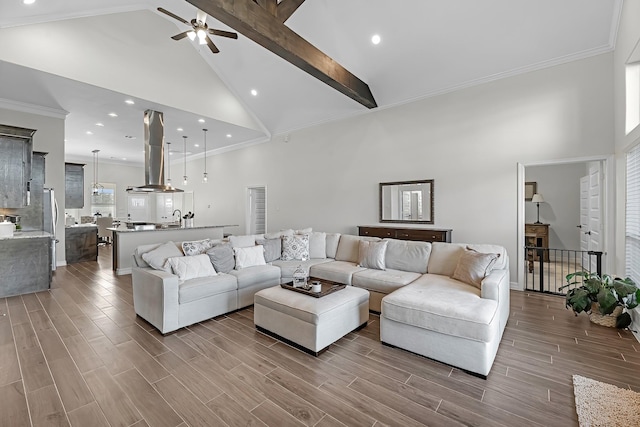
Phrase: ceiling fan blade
(166, 12)
(222, 33)
(181, 35)
(212, 46)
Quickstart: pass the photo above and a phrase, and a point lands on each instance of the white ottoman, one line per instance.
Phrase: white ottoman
(308, 322)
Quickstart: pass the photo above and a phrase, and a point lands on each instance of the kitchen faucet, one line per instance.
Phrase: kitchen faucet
(180, 216)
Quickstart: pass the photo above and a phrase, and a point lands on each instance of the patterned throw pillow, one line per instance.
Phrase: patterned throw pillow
(197, 247)
(295, 247)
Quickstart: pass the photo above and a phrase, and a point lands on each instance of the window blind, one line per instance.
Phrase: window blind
(632, 228)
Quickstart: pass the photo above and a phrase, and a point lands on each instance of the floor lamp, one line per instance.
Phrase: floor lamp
(537, 199)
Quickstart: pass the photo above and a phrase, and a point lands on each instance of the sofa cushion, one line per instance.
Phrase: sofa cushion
(157, 258)
(191, 267)
(441, 304)
(474, 266)
(348, 247)
(279, 234)
(444, 258)
(383, 281)
(222, 258)
(407, 255)
(198, 247)
(249, 257)
(307, 230)
(195, 289)
(335, 271)
(371, 254)
(242, 241)
(317, 245)
(251, 276)
(287, 267)
(332, 240)
(272, 248)
(295, 247)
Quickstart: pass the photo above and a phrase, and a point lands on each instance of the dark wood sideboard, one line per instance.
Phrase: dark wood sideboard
(403, 233)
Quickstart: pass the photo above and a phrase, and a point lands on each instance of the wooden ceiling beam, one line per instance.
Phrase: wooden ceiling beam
(286, 9)
(257, 24)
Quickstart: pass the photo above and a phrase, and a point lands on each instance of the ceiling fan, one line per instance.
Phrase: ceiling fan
(199, 29)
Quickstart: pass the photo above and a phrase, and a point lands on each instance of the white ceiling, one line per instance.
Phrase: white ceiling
(85, 57)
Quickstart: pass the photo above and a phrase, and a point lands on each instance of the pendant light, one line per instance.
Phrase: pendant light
(184, 181)
(205, 178)
(96, 187)
(169, 164)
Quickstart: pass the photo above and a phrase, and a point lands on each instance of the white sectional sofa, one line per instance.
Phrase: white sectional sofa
(430, 299)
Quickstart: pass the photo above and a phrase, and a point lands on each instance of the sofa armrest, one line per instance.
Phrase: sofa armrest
(493, 285)
(155, 297)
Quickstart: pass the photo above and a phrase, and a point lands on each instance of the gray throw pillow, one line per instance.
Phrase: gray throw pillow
(157, 258)
(272, 248)
(221, 257)
(371, 254)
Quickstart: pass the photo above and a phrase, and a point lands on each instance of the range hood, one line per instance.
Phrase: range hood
(154, 156)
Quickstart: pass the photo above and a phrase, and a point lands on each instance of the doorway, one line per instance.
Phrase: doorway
(256, 213)
(578, 200)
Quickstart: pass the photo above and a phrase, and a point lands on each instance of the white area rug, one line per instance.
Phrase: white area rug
(601, 404)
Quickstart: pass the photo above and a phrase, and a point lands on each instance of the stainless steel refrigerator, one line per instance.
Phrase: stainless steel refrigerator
(50, 211)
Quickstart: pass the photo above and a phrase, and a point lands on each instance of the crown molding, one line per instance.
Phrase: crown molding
(24, 107)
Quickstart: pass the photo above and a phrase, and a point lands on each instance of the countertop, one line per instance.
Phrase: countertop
(36, 234)
(131, 230)
(81, 225)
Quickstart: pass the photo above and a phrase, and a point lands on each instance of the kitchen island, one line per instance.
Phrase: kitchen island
(25, 263)
(125, 240)
(81, 243)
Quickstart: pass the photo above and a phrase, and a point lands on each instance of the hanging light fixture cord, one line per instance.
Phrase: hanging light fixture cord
(95, 187)
(168, 163)
(185, 161)
(205, 178)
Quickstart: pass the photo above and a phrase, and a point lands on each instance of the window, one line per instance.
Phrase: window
(632, 83)
(632, 228)
(104, 201)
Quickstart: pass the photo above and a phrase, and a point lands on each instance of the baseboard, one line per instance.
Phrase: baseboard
(123, 271)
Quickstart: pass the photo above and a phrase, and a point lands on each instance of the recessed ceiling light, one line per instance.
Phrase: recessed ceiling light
(170, 153)
(28, 1)
(228, 135)
(254, 92)
(129, 101)
(196, 145)
(89, 132)
(179, 129)
(201, 120)
(124, 158)
(99, 124)
(375, 39)
(113, 115)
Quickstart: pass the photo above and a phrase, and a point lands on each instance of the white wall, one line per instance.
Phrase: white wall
(469, 141)
(560, 188)
(627, 39)
(49, 138)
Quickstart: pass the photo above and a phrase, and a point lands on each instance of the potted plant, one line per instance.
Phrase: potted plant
(603, 298)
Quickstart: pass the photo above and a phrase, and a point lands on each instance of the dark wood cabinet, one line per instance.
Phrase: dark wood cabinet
(73, 185)
(81, 244)
(16, 146)
(404, 233)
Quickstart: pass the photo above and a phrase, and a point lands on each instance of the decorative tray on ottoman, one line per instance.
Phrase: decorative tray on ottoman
(327, 288)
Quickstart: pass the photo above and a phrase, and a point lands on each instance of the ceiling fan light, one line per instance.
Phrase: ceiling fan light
(191, 35)
(202, 34)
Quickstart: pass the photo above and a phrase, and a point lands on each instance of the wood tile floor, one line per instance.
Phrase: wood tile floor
(77, 355)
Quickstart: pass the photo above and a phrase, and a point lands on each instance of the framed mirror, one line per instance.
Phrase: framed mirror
(407, 201)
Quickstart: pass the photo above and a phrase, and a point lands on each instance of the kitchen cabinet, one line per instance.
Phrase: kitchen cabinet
(74, 185)
(16, 146)
(25, 263)
(154, 207)
(81, 243)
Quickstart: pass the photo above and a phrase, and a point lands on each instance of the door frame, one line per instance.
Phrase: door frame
(247, 207)
(608, 210)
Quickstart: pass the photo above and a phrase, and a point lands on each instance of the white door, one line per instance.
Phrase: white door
(256, 210)
(591, 215)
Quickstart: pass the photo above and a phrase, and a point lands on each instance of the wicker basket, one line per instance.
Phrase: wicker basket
(608, 320)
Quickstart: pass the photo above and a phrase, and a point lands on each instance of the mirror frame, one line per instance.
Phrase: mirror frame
(423, 181)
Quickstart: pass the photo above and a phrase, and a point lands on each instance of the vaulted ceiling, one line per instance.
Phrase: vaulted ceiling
(86, 57)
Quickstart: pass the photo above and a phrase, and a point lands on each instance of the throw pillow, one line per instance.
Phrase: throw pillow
(157, 258)
(332, 244)
(272, 248)
(318, 245)
(474, 266)
(249, 257)
(221, 256)
(197, 247)
(279, 234)
(371, 254)
(192, 267)
(242, 241)
(295, 247)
